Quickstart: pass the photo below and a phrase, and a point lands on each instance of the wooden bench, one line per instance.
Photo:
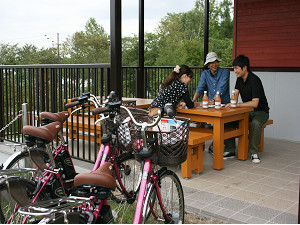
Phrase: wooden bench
(261, 144)
(83, 128)
(194, 161)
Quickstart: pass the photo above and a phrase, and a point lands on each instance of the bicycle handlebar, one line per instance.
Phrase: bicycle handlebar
(113, 106)
(72, 104)
(88, 97)
(100, 110)
(144, 124)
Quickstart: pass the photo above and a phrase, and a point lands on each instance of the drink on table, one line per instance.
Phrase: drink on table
(205, 100)
(218, 101)
(233, 100)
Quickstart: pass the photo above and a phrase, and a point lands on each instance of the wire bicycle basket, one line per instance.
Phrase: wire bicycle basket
(170, 146)
(118, 125)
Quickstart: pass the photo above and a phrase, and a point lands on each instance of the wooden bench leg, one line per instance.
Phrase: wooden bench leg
(194, 161)
(186, 167)
(197, 159)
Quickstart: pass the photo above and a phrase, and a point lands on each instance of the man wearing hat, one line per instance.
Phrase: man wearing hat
(216, 79)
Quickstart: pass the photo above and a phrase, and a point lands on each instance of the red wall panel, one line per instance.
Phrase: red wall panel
(268, 32)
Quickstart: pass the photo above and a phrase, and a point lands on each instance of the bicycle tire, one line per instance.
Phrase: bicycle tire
(23, 159)
(130, 172)
(20, 192)
(172, 196)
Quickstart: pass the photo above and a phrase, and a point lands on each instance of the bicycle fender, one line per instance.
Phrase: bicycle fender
(7, 162)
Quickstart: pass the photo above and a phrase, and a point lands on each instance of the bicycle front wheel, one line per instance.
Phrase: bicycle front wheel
(164, 201)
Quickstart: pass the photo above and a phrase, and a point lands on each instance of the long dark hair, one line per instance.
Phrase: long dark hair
(176, 76)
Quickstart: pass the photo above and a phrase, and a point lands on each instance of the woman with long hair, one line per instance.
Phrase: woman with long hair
(174, 89)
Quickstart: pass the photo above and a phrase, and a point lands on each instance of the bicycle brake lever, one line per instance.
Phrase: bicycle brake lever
(102, 118)
(76, 110)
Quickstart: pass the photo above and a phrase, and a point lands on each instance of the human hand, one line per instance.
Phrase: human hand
(228, 105)
(182, 105)
(211, 102)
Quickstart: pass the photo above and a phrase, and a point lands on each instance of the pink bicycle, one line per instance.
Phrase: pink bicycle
(55, 175)
(160, 198)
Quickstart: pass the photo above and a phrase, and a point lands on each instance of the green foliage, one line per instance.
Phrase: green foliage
(130, 51)
(89, 46)
(8, 54)
(179, 39)
(181, 36)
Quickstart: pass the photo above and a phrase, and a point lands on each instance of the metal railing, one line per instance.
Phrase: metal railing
(46, 87)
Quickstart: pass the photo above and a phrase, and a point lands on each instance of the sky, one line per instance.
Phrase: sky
(39, 21)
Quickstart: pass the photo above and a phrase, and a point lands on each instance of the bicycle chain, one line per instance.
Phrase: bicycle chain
(11, 122)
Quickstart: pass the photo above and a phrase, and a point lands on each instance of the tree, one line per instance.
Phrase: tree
(8, 54)
(180, 35)
(48, 56)
(130, 51)
(89, 46)
(178, 40)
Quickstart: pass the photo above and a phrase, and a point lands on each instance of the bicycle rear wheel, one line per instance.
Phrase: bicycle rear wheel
(28, 158)
(15, 191)
(172, 200)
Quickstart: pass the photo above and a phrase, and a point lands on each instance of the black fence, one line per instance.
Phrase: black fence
(47, 87)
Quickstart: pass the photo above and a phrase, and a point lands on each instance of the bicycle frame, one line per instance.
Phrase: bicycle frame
(105, 152)
(48, 174)
(148, 177)
(44, 179)
(143, 187)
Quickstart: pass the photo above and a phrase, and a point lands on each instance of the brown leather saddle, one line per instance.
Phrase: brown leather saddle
(41, 135)
(102, 177)
(49, 117)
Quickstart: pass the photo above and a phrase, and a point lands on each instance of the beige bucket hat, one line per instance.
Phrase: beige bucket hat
(211, 57)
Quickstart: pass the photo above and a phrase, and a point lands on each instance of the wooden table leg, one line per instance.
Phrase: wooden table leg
(218, 146)
(243, 139)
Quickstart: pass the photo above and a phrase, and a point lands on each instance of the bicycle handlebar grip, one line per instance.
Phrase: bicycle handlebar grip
(170, 110)
(72, 104)
(74, 99)
(99, 110)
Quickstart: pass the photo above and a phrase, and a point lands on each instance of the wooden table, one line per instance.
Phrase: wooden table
(219, 117)
(142, 103)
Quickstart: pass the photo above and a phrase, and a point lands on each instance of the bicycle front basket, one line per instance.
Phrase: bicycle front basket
(123, 134)
(171, 146)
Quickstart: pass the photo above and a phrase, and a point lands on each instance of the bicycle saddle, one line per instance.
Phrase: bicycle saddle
(102, 177)
(49, 117)
(45, 133)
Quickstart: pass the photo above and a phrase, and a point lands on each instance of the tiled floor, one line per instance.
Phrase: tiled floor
(243, 192)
